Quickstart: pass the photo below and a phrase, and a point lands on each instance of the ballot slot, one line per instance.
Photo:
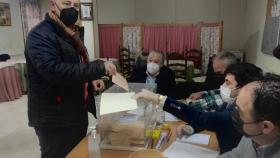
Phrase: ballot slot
(126, 130)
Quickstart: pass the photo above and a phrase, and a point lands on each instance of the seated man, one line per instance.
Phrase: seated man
(219, 121)
(155, 72)
(257, 118)
(214, 76)
(212, 100)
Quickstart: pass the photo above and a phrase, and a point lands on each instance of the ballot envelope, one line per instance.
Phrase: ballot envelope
(128, 130)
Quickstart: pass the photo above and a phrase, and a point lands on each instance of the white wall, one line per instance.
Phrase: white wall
(192, 11)
(255, 20)
(11, 37)
(232, 12)
(154, 11)
(116, 11)
(89, 35)
(45, 5)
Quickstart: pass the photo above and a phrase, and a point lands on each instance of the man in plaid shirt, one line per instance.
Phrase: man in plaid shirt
(210, 101)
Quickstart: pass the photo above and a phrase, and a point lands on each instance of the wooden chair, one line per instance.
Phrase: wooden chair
(194, 56)
(141, 59)
(126, 62)
(178, 63)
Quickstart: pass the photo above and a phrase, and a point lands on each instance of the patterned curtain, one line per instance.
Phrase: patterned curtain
(30, 15)
(132, 39)
(210, 43)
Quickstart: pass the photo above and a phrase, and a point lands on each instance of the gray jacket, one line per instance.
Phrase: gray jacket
(246, 149)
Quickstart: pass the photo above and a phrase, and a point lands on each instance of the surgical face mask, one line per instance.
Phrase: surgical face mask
(226, 94)
(68, 16)
(238, 124)
(152, 68)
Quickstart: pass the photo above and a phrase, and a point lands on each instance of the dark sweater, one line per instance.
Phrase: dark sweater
(219, 122)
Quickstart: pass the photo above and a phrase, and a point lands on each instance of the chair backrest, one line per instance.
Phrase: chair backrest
(126, 61)
(178, 63)
(195, 56)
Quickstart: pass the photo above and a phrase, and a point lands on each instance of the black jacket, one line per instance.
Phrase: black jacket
(219, 121)
(56, 77)
(165, 80)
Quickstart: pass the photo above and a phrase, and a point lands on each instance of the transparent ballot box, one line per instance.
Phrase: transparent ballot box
(128, 130)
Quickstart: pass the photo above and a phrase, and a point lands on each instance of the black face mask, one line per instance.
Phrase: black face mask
(238, 124)
(68, 16)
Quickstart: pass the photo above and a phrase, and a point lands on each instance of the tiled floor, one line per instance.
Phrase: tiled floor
(17, 139)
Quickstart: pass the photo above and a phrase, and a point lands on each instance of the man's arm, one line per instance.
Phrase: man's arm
(43, 54)
(197, 118)
(210, 101)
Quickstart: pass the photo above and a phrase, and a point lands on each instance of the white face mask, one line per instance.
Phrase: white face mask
(226, 94)
(152, 68)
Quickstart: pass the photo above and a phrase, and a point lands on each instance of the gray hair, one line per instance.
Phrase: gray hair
(227, 58)
(159, 53)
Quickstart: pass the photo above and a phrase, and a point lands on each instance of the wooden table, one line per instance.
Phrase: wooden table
(81, 150)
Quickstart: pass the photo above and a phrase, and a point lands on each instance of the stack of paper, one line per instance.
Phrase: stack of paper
(202, 139)
(181, 150)
(117, 102)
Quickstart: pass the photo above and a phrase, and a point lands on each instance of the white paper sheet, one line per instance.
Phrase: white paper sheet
(117, 102)
(181, 150)
(119, 80)
(170, 117)
(202, 139)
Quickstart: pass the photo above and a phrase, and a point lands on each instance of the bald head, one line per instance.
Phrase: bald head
(58, 5)
(156, 57)
(245, 100)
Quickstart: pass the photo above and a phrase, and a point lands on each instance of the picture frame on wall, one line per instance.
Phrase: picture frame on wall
(5, 14)
(86, 11)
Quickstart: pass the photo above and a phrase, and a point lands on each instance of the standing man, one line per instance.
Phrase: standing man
(61, 80)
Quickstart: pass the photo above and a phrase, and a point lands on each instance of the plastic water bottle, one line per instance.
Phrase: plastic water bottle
(93, 144)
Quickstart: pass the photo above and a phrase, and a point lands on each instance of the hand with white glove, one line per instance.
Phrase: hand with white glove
(183, 130)
(148, 96)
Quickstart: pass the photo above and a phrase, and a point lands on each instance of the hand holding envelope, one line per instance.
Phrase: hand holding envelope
(110, 68)
(119, 80)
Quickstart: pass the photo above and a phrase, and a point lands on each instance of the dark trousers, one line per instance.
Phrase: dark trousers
(58, 142)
